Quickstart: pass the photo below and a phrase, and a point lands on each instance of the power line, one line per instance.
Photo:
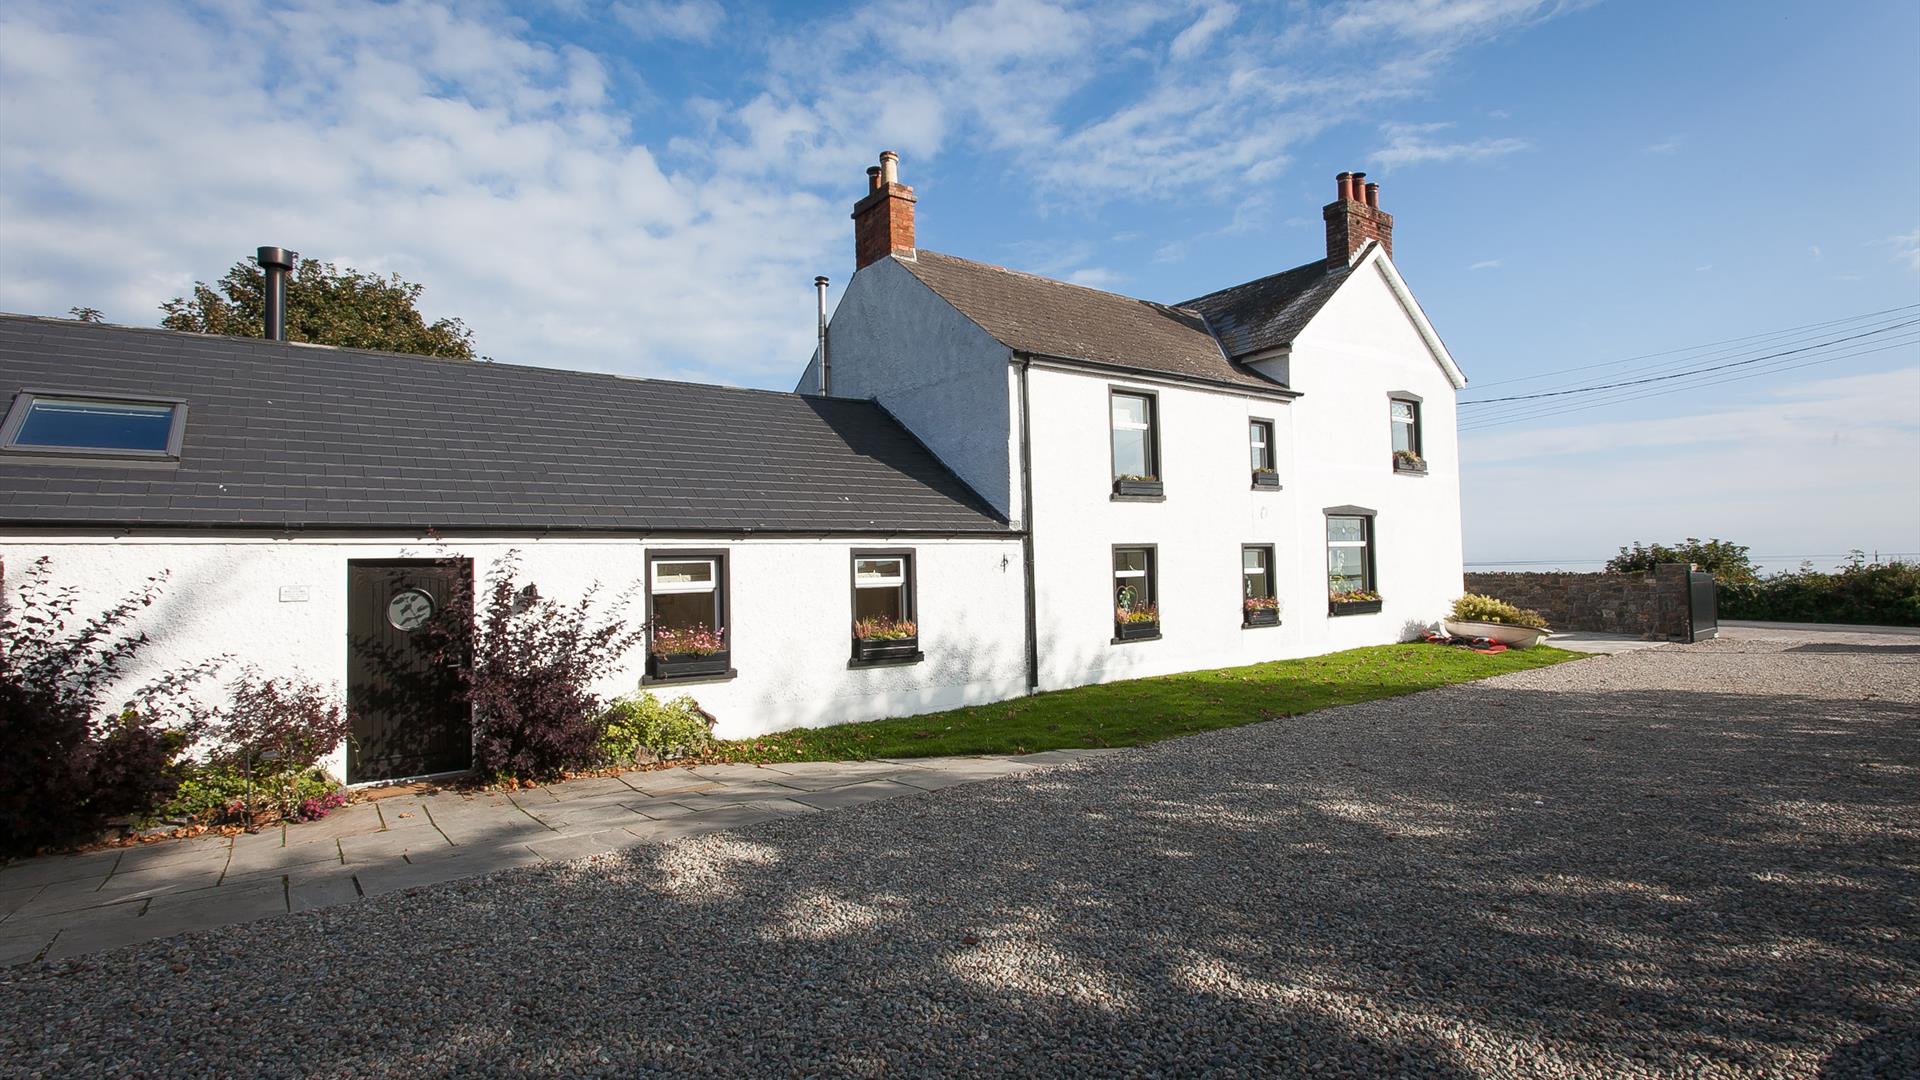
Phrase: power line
(1791, 338)
(1611, 397)
(1696, 371)
(1509, 419)
(1693, 348)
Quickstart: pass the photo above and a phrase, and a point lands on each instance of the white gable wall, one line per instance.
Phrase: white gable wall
(895, 341)
(1361, 347)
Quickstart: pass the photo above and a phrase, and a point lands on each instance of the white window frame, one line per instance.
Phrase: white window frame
(1260, 435)
(712, 584)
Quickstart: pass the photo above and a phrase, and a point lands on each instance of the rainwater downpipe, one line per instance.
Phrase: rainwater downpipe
(1026, 532)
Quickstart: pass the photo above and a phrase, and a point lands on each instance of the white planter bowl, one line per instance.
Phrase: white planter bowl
(1513, 637)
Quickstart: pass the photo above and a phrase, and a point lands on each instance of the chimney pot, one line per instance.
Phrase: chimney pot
(883, 218)
(1345, 180)
(1359, 187)
(1373, 196)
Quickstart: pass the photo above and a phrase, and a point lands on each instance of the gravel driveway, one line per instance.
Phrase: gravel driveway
(1697, 861)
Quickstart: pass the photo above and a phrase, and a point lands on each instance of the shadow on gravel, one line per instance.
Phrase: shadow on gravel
(1860, 648)
(1480, 880)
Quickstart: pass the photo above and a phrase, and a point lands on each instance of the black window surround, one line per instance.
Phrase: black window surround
(885, 652)
(1340, 521)
(1257, 559)
(1147, 483)
(30, 400)
(1135, 587)
(1403, 416)
(683, 668)
(1261, 455)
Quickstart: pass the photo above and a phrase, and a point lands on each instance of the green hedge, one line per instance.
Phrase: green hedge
(1884, 594)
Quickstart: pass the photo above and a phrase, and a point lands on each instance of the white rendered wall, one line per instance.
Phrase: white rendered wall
(895, 341)
(791, 613)
(1333, 448)
(1361, 347)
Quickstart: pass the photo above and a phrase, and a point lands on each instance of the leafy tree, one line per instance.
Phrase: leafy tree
(1726, 560)
(326, 305)
(87, 314)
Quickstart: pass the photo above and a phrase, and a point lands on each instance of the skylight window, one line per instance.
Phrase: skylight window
(89, 426)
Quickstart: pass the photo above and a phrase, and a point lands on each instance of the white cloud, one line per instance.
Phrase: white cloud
(685, 20)
(1906, 248)
(1096, 277)
(1486, 264)
(1670, 144)
(1432, 20)
(1194, 40)
(1413, 144)
(466, 149)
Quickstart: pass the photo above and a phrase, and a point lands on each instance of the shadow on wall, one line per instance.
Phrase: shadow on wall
(1664, 877)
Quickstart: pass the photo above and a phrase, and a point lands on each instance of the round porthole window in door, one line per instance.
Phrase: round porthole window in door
(409, 609)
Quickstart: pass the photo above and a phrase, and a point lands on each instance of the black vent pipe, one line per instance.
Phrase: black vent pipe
(278, 263)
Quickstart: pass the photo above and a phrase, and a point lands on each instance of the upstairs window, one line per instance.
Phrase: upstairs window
(1404, 414)
(90, 426)
(1136, 445)
(1260, 451)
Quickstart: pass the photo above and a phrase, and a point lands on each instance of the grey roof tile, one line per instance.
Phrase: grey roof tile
(1269, 312)
(303, 436)
(1038, 315)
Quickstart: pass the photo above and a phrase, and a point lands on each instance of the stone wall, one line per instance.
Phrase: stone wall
(1652, 606)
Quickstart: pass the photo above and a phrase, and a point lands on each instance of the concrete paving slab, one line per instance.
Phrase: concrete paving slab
(13, 900)
(265, 860)
(855, 794)
(164, 852)
(306, 892)
(52, 868)
(587, 788)
(738, 793)
(1583, 641)
(391, 877)
(566, 848)
(388, 846)
(21, 948)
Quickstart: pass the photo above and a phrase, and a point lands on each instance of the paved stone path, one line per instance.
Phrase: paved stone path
(68, 905)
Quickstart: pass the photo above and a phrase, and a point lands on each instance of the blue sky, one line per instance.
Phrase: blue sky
(649, 187)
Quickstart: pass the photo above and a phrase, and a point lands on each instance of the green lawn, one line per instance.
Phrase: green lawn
(1146, 710)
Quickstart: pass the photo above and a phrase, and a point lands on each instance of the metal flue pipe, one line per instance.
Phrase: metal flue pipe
(278, 263)
(826, 368)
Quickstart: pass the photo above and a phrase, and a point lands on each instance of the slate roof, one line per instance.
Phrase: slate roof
(295, 436)
(1032, 314)
(1270, 312)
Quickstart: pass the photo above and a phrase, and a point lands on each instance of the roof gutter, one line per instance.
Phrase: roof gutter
(1276, 390)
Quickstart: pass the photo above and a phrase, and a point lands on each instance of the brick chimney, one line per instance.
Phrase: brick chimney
(883, 220)
(1354, 218)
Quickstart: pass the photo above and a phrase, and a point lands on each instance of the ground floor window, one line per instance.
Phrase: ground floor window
(687, 614)
(1259, 603)
(884, 623)
(1350, 575)
(1136, 600)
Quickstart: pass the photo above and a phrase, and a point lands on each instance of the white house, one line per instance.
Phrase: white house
(1046, 398)
(1002, 460)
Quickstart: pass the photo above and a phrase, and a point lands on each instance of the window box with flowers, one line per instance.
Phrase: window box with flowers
(879, 638)
(1260, 611)
(1353, 602)
(1407, 461)
(677, 653)
(1266, 480)
(1139, 486)
(1138, 623)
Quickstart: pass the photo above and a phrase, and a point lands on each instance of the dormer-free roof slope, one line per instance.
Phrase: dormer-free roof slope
(1268, 313)
(1040, 316)
(289, 436)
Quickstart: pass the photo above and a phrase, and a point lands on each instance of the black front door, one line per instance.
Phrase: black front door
(409, 715)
